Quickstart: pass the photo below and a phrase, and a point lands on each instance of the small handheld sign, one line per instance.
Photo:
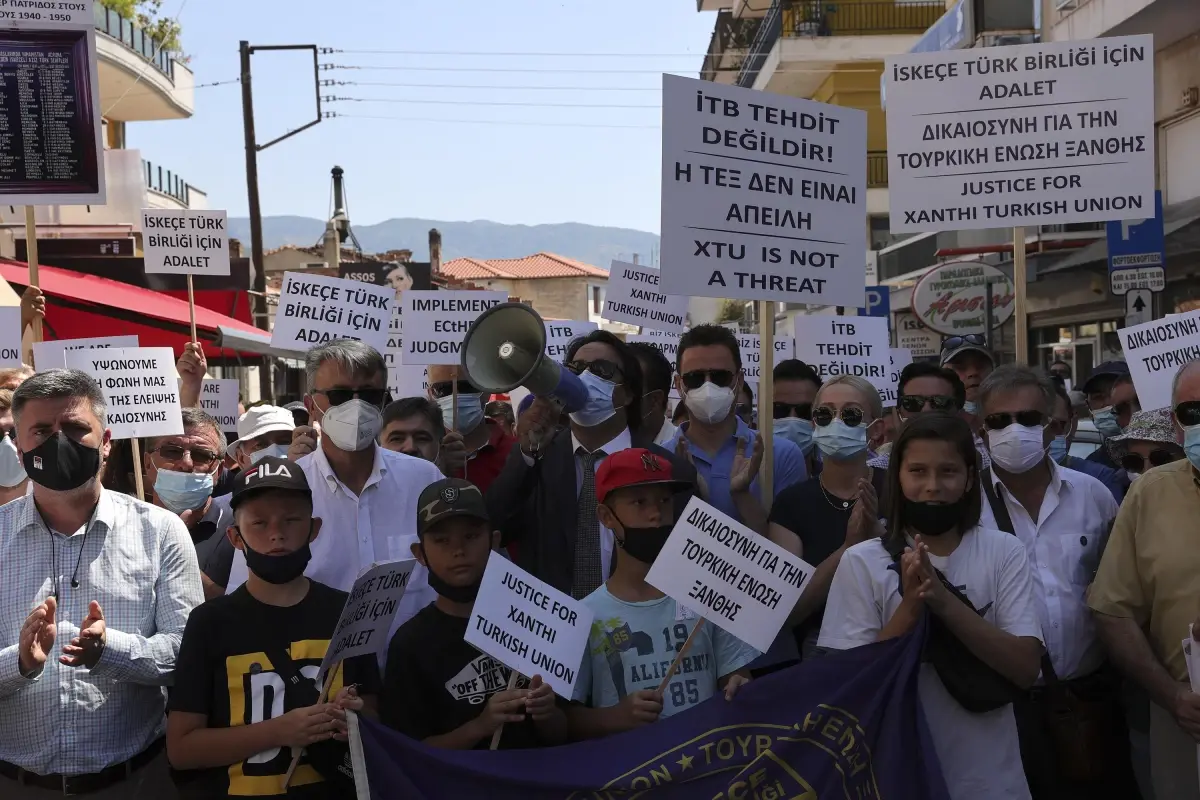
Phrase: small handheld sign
(314, 309)
(1155, 351)
(560, 333)
(50, 355)
(635, 296)
(219, 399)
(435, 323)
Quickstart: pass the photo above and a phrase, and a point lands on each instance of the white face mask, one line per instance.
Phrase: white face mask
(353, 425)
(1017, 448)
(272, 450)
(12, 472)
(710, 404)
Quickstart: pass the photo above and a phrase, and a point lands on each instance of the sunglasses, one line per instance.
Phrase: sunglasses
(955, 342)
(718, 377)
(1188, 413)
(850, 415)
(1028, 419)
(801, 410)
(916, 403)
(1135, 463)
(601, 368)
(743, 409)
(370, 396)
(446, 388)
(201, 456)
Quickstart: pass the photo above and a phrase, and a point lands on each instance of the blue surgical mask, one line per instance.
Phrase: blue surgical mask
(1106, 422)
(1059, 449)
(797, 431)
(470, 412)
(971, 407)
(839, 441)
(1191, 444)
(599, 408)
(182, 491)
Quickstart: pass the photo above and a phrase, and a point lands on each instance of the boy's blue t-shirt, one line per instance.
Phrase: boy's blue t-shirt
(632, 645)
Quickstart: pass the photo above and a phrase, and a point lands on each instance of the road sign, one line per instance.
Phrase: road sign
(1137, 252)
(878, 302)
(1139, 304)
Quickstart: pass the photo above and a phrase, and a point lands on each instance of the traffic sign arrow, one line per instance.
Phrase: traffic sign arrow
(1139, 305)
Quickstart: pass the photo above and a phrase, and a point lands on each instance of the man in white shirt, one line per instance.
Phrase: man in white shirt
(365, 495)
(1063, 518)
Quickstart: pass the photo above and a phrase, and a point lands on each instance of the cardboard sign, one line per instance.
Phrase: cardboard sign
(750, 348)
(529, 626)
(436, 322)
(763, 196)
(559, 334)
(634, 296)
(845, 346)
(185, 242)
(1033, 134)
(900, 358)
(10, 336)
(369, 611)
(1155, 351)
(50, 355)
(314, 309)
(219, 399)
(731, 576)
(139, 385)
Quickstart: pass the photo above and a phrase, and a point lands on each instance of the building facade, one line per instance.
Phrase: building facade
(556, 287)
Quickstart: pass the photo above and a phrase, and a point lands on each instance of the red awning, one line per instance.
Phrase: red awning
(80, 306)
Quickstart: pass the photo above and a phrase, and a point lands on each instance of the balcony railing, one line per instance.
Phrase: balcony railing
(166, 182)
(730, 42)
(760, 48)
(877, 171)
(127, 33)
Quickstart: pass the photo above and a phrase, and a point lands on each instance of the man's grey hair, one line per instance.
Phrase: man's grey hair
(195, 418)
(1013, 377)
(863, 386)
(353, 356)
(56, 384)
(1179, 376)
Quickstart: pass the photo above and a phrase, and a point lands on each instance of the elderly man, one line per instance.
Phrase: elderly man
(1146, 594)
(95, 589)
(413, 426)
(262, 431)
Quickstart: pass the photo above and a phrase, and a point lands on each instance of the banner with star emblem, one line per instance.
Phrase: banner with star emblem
(848, 725)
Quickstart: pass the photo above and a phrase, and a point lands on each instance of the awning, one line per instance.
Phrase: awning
(1179, 226)
(80, 306)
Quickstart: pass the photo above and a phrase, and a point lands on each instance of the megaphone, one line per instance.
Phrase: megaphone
(505, 347)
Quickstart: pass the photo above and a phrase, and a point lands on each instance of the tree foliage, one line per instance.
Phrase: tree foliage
(147, 14)
(732, 311)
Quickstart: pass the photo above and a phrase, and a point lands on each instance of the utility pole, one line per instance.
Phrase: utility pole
(261, 314)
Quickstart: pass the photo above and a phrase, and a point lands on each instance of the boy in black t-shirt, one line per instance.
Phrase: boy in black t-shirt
(235, 714)
(438, 688)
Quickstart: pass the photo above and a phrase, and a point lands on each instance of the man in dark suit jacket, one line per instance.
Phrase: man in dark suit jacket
(543, 501)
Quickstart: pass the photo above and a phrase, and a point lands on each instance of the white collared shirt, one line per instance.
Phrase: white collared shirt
(1064, 547)
(358, 531)
(621, 441)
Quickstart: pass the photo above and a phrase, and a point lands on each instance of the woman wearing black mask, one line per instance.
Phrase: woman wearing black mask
(933, 560)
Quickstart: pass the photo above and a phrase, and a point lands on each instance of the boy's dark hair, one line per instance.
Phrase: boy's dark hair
(705, 336)
(656, 368)
(939, 428)
(793, 369)
(928, 369)
(407, 407)
(630, 368)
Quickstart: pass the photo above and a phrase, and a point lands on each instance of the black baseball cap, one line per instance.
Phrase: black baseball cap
(449, 497)
(269, 473)
(1109, 369)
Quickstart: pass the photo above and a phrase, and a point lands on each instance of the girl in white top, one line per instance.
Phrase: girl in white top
(933, 507)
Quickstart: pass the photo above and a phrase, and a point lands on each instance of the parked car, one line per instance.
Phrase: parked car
(1087, 439)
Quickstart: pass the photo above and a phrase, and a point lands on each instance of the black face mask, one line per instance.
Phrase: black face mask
(645, 544)
(61, 464)
(932, 519)
(455, 594)
(278, 569)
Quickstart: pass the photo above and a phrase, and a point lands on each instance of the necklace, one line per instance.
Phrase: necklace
(833, 499)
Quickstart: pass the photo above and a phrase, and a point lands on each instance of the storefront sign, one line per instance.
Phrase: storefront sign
(634, 296)
(919, 340)
(951, 298)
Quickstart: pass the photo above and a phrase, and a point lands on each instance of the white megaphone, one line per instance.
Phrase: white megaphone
(505, 347)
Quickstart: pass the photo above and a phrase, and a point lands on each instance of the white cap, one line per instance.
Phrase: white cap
(259, 420)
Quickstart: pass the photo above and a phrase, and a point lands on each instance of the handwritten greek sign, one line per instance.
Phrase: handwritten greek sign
(369, 611)
(634, 296)
(1155, 351)
(219, 399)
(50, 355)
(529, 625)
(845, 346)
(559, 334)
(436, 323)
(314, 309)
(185, 242)
(139, 385)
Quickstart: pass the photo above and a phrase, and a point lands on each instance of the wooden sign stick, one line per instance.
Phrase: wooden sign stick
(512, 684)
(662, 687)
(192, 306)
(287, 778)
(31, 258)
(138, 481)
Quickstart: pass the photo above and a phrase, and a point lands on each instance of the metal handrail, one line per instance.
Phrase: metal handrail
(127, 33)
(166, 182)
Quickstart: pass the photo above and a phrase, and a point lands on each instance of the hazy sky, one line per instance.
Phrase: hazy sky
(437, 160)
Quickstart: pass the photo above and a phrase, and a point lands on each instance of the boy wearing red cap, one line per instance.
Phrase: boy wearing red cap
(637, 629)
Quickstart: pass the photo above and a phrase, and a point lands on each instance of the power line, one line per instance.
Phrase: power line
(332, 99)
(331, 50)
(495, 87)
(532, 124)
(494, 69)
(144, 93)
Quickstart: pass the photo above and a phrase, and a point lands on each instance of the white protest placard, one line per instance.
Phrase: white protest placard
(763, 196)
(404, 380)
(314, 309)
(560, 332)
(140, 386)
(50, 355)
(435, 322)
(748, 344)
(370, 609)
(529, 626)
(185, 242)
(665, 343)
(10, 336)
(1155, 351)
(219, 399)
(736, 579)
(635, 296)
(1032, 134)
(845, 346)
(900, 358)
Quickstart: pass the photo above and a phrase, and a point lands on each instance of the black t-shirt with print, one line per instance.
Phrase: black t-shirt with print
(436, 682)
(223, 672)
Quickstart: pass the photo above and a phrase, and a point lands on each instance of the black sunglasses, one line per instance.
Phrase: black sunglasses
(1028, 419)
(601, 368)
(696, 378)
(1159, 456)
(446, 388)
(955, 342)
(850, 415)
(202, 457)
(916, 403)
(801, 410)
(370, 396)
(1188, 413)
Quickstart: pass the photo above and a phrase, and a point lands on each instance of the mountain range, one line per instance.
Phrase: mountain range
(590, 244)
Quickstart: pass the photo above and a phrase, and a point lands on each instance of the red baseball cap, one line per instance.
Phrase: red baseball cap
(636, 466)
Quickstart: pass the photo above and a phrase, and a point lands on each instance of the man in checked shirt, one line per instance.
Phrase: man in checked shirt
(95, 590)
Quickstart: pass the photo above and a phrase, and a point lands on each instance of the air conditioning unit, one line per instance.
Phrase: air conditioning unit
(1065, 5)
(1190, 97)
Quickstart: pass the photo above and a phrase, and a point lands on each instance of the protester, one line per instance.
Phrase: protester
(478, 448)
(656, 392)
(1062, 518)
(1144, 596)
(364, 494)
(413, 426)
(726, 452)
(299, 412)
(974, 586)
(617, 687)
(1112, 400)
(110, 581)
(1064, 424)
(14, 482)
(246, 683)
(192, 366)
(263, 431)
(971, 360)
(501, 413)
(794, 386)
(745, 406)
(545, 499)
(439, 689)
(1149, 441)
(1061, 370)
